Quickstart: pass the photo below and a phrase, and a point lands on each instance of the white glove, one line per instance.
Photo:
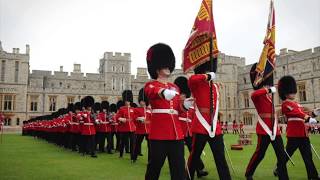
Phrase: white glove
(213, 76)
(316, 112)
(122, 119)
(85, 115)
(312, 121)
(97, 121)
(169, 94)
(141, 119)
(273, 89)
(187, 103)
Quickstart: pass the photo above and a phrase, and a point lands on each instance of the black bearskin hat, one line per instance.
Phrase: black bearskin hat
(120, 104)
(143, 97)
(113, 108)
(105, 105)
(127, 96)
(203, 68)
(97, 107)
(266, 82)
(160, 56)
(77, 106)
(134, 105)
(70, 107)
(287, 85)
(182, 83)
(88, 101)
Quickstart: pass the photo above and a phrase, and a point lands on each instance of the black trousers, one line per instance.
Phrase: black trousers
(137, 148)
(109, 142)
(304, 146)
(100, 140)
(89, 144)
(127, 140)
(188, 143)
(217, 147)
(159, 151)
(74, 141)
(258, 155)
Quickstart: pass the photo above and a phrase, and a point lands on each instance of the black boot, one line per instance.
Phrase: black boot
(202, 173)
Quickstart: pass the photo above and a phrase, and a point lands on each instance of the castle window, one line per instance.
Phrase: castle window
(60, 84)
(302, 92)
(122, 68)
(53, 103)
(84, 86)
(245, 80)
(7, 121)
(18, 122)
(8, 103)
(70, 99)
(229, 102)
(33, 103)
(122, 84)
(247, 118)
(68, 86)
(3, 69)
(113, 69)
(52, 85)
(246, 99)
(16, 72)
(113, 84)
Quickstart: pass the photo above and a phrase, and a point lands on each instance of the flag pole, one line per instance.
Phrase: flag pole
(211, 83)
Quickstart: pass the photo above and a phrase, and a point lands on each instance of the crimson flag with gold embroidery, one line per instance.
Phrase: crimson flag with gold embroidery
(267, 59)
(197, 49)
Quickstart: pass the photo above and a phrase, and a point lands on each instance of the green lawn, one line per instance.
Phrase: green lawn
(28, 158)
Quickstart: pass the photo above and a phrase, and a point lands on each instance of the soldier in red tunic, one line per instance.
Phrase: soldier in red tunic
(106, 124)
(296, 132)
(74, 127)
(112, 115)
(166, 135)
(88, 130)
(266, 133)
(186, 120)
(142, 123)
(201, 127)
(241, 127)
(100, 127)
(126, 127)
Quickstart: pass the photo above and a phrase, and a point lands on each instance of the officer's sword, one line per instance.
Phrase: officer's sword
(314, 150)
(231, 164)
(289, 158)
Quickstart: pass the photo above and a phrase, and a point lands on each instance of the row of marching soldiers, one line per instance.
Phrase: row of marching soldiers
(86, 125)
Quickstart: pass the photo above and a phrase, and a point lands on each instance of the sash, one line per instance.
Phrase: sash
(266, 128)
(204, 122)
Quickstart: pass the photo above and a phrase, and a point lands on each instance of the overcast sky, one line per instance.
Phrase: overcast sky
(63, 32)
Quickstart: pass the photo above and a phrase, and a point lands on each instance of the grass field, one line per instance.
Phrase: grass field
(28, 158)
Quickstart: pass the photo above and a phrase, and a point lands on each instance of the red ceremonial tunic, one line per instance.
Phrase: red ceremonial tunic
(74, 124)
(186, 121)
(104, 123)
(166, 125)
(143, 127)
(88, 124)
(296, 118)
(129, 114)
(200, 89)
(263, 103)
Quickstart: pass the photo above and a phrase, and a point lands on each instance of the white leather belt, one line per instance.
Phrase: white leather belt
(73, 123)
(184, 119)
(88, 124)
(295, 119)
(104, 122)
(165, 111)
